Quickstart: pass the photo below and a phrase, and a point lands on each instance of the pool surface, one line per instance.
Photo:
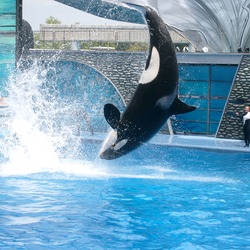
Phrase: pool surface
(157, 197)
(177, 192)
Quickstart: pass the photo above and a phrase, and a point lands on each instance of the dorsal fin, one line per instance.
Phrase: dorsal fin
(112, 115)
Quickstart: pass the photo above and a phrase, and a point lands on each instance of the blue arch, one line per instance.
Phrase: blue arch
(86, 90)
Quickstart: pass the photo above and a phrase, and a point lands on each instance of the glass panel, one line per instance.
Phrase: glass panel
(193, 72)
(193, 88)
(213, 128)
(199, 103)
(220, 88)
(190, 127)
(215, 116)
(217, 103)
(197, 115)
(228, 72)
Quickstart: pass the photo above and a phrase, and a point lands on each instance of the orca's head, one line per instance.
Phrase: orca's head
(115, 146)
(124, 137)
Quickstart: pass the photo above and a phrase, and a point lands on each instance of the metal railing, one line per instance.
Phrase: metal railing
(64, 33)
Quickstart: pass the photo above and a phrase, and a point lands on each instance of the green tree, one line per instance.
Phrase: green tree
(52, 20)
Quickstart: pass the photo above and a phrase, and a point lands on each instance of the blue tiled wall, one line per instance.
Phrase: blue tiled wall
(207, 87)
(7, 41)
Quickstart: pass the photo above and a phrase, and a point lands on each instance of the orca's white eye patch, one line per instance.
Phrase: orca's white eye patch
(120, 144)
(152, 71)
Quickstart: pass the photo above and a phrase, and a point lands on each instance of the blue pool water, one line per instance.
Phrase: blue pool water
(55, 192)
(157, 197)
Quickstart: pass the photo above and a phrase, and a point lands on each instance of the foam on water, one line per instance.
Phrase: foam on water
(76, 170)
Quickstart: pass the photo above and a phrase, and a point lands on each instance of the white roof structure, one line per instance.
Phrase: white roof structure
(218, 25)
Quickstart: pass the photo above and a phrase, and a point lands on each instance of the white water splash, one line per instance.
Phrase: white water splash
(35, 132)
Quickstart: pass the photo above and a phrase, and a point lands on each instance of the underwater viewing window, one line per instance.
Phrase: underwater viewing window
(207, 88)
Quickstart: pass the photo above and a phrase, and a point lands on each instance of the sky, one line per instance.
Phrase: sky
(37, 11)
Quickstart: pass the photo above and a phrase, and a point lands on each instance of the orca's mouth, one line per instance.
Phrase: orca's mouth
(110, 154)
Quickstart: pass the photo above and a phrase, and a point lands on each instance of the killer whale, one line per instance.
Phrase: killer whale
(155, 98)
